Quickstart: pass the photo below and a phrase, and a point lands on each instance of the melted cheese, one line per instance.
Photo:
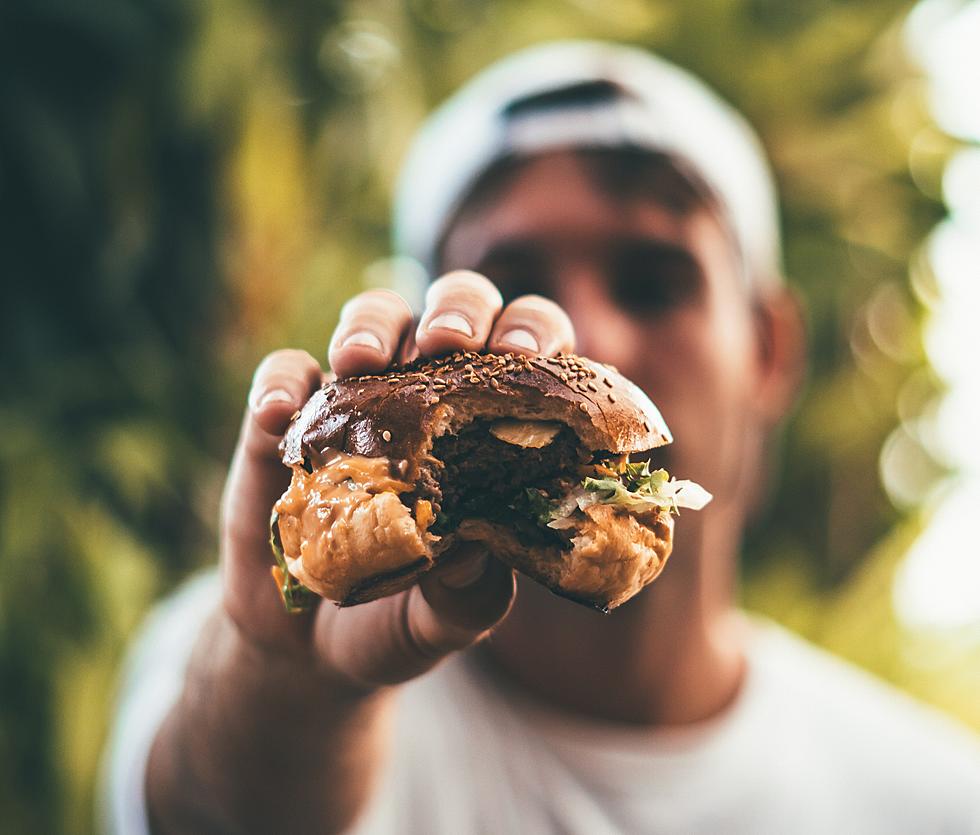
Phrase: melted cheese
(344, 523)
(532, 434)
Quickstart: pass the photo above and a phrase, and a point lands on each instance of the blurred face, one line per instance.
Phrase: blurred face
(650, 289)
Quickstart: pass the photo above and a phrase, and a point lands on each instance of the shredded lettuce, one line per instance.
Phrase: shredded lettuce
(295, 596)
(632, 486)
(639, 487)
(535, 505)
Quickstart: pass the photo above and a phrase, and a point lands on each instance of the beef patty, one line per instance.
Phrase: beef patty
(476, 475)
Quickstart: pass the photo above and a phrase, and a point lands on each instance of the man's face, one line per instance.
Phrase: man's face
(654, 292)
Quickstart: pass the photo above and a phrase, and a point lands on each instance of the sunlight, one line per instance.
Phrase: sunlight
(938, 583)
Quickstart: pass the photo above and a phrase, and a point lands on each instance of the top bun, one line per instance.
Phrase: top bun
(398, 413)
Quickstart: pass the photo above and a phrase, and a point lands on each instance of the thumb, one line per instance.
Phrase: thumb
(468, 589)
(398, 638)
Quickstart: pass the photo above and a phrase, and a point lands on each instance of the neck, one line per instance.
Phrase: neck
(673, 655)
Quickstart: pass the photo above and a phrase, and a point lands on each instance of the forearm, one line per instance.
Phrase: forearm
(259, 743)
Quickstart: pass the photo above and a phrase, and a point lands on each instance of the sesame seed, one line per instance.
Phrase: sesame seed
(646, 426)
(607, 382)
(583, 407)
(611, 398)
(386, 435)
(591, 387)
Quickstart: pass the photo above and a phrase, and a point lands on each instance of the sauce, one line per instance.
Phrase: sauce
(332, 492)
(344, 522)
(373, 475)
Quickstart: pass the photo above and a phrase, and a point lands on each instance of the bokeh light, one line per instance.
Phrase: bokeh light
(938, 584)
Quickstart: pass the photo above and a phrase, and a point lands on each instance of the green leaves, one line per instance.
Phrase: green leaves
(637, 486)
(295, 596)
(534, 504)
(640, 479)
(640, 488)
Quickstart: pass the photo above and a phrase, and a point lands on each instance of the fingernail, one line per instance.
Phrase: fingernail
(521, 338)
(274, 396)
(464, 572)
(365, 339)
(451, 322)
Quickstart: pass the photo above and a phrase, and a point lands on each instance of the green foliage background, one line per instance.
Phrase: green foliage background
(186, 185)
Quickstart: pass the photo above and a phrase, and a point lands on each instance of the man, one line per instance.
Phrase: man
(576, 196)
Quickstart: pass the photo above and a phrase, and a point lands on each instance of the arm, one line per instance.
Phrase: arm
(281, 725)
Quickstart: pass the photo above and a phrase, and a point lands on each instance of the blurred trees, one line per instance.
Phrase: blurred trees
(186, 185)
(111, 390)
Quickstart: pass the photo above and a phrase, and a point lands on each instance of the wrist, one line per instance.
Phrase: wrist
(254, 724)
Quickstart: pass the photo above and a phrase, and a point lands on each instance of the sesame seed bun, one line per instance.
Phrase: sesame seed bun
(414, 403)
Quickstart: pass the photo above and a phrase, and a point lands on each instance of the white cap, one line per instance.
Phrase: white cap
(618, 96)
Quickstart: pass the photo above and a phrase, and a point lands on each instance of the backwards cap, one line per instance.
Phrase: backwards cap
(587, 94)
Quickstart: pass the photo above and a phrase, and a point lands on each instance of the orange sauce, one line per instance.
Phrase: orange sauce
(316, 501)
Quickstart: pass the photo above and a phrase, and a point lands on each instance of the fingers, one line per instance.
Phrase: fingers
(370, 331)
(408, 351)
(460, 309)
(532, 325)
(282, 383)
(461, 314)
(397, 638)
(468, 591)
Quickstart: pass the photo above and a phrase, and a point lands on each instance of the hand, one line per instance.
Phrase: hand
(395, 638)
(294, 706)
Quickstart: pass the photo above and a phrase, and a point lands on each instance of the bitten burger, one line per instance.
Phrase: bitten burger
(530, 455)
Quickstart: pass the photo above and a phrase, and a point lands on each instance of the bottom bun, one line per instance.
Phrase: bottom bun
(614, 554)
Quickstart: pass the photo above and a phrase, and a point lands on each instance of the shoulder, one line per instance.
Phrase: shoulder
(867, 733)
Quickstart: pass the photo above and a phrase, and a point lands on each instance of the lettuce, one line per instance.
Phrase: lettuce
(295, 596)
(631, 486)
(535, 505)
(640, 488)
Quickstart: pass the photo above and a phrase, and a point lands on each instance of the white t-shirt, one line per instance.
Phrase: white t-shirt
(811, 745)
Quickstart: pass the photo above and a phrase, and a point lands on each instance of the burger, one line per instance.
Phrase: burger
(530, 455)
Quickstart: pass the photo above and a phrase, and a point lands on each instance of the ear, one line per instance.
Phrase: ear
(781, 358)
